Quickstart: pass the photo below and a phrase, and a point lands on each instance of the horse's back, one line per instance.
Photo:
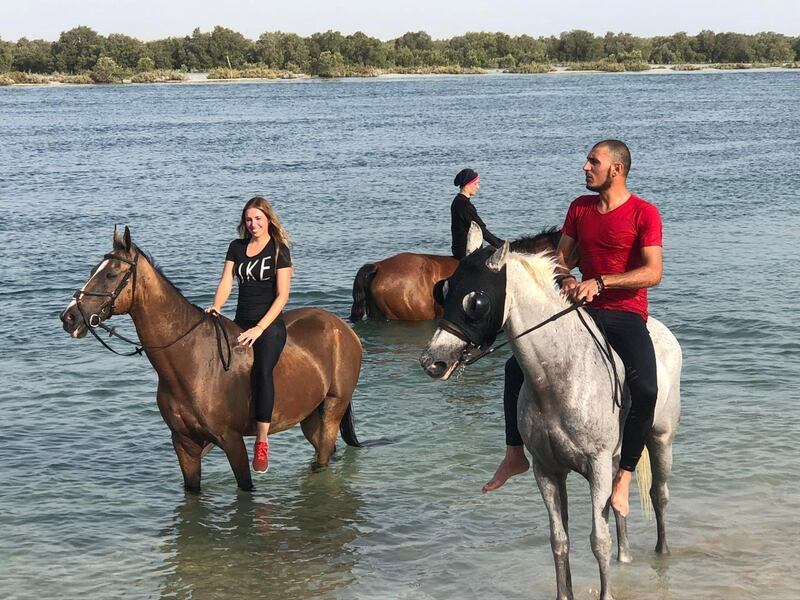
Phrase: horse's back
(403, 284)
(322, 356)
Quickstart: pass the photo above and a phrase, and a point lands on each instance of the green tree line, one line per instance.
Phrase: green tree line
(79, 49)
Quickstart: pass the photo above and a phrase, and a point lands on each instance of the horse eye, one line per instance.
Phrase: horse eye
(110, 275)
(476, 305)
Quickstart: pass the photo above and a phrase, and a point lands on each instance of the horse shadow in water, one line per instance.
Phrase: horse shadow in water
(299, 547)
(567, 413)
(408, 286)
(204, 380)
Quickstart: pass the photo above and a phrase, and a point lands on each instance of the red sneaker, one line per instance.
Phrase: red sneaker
(261, 457)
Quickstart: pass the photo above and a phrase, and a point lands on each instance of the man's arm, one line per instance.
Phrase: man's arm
(567, 256)
(648, 275)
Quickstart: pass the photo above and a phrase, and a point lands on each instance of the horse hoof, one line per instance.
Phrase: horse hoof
(625, 557)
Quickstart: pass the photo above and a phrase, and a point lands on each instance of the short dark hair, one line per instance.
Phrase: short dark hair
(619, 151)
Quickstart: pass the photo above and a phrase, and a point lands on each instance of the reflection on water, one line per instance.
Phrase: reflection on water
(293, 546)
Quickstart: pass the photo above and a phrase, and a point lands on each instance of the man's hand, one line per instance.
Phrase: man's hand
(585, 291)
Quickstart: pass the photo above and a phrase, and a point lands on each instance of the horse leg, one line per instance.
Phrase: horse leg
(188, 452)
(623, 546)
(312, 429)
(333, 408)
(232, 444)
(660, 449)
(600, 486)
(550, 487)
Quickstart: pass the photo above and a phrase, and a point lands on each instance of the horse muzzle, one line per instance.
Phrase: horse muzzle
(73, 321)
(442, 355)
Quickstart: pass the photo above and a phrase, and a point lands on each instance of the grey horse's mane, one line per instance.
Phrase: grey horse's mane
(541, 268)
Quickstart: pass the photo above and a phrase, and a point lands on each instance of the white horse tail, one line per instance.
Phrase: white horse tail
(644, 479)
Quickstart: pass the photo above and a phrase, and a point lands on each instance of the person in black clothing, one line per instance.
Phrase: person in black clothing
(463, 213)
(260, 261)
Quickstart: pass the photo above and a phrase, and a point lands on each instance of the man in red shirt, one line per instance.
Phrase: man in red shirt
(615, 237)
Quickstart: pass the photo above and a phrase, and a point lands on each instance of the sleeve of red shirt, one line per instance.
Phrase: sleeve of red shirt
(570, 227)
(649, 227)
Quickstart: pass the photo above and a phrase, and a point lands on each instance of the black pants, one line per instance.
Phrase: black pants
(627, 333)
(267, 349)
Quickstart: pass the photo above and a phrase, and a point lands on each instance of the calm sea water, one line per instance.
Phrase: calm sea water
(90, 490)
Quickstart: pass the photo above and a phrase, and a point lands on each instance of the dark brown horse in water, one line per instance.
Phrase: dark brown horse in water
(204, 391)
(405, 287)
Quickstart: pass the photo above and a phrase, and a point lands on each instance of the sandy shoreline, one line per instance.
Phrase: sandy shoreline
(201, 78)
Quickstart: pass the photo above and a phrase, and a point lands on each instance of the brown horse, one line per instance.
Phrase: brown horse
(405, 287)
(400, 288)
(204, 391)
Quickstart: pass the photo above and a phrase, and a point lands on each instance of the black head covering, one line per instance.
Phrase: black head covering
(464, 177)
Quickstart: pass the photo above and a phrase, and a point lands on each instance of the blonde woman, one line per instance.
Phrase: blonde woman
(260, 261)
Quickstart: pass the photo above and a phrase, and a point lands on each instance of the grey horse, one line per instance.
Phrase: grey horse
(566, 413)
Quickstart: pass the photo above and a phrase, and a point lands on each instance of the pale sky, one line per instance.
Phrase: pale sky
(387, 19)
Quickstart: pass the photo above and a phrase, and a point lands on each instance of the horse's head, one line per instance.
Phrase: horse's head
(474, 307)
(108, 291)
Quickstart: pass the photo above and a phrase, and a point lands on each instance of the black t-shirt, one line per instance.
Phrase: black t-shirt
(256, 275)
(462, 214)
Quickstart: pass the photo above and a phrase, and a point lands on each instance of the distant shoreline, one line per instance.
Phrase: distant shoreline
(202, 78)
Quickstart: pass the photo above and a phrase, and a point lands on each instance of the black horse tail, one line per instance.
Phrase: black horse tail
(362, 297)
(348, 428)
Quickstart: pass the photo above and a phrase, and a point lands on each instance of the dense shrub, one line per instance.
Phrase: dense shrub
(158, 76)
(531, 68)
(22, 77)
(106, 70)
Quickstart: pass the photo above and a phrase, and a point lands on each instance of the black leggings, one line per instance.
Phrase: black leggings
(267, 350)
(627, 333)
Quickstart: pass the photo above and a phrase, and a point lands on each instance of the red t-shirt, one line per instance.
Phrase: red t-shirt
(611, 243)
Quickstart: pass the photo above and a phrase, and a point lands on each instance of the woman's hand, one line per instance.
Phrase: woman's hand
(248, 338)
(213, 310)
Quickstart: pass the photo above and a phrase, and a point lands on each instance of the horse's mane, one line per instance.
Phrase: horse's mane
(160, 271)
(531, 244)
(541, 268)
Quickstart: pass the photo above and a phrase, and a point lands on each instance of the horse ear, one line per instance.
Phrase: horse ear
(127, 239)
(119, 243)
(498, 258)
(474, 238)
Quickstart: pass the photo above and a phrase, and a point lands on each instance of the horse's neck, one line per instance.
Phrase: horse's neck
(559, 355)
(159, 311)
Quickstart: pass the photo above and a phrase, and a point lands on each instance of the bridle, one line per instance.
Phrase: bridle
(106, 309)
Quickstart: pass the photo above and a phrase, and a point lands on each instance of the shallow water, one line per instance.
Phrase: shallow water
(360, 170)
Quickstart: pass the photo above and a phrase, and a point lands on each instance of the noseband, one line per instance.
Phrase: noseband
(107, 308)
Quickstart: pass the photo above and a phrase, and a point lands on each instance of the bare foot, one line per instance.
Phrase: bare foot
(619, 493)
(514, 463)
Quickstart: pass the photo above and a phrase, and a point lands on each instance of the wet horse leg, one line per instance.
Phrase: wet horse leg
(312, 429)
(550, 485)
(232, 443)
(188, 452)
(660, 449)
(600, 487)
(333, 410)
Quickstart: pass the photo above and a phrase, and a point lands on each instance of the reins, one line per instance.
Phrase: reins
(488, 351)
(95, 320)
(605, 350)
